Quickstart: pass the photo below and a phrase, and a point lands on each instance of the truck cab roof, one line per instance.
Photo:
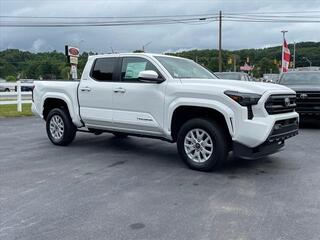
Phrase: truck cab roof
(131, 54)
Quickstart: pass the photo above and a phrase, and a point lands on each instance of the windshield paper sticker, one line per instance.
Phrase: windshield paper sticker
(133, 69)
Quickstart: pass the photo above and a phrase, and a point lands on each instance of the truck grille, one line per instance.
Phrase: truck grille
(280, 103)
(308, 102)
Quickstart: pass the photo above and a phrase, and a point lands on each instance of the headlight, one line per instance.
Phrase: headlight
(244, 99)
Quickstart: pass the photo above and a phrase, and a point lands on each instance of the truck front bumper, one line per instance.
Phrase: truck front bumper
(282, 130)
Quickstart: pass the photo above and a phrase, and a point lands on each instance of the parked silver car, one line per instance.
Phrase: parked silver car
(3, 87)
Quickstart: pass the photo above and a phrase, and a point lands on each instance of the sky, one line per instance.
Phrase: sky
(163, 38)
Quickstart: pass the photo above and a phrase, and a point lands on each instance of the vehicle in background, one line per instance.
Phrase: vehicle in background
(253, 79)
(271, 78)
(307, 86)
(4, 88)
(172, 99)
(241, 76)
(25, 88)
(312, 68)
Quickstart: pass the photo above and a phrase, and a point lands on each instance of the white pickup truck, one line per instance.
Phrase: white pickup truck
(172, 99)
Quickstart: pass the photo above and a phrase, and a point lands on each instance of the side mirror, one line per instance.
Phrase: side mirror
(149, 76)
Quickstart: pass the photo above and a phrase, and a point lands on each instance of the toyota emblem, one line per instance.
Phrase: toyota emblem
(287, 102)
(303, 96)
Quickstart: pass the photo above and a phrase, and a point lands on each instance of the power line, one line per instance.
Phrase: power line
(104, 23)
(110, 17)
(263, 13)
(159, 16)
(277, 19)
(271, 20)
(273, 16)
(87, 21)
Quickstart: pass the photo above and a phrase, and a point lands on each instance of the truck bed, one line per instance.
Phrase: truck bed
(63, 89)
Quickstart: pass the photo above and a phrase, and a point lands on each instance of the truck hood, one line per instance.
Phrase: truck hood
(235, 85)
(304, 88)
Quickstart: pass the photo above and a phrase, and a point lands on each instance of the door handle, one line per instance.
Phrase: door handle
(85, 89)
(119, 90)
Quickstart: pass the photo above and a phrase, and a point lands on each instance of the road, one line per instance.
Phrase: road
(101, 187)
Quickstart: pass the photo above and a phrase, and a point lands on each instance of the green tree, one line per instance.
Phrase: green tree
(65, 73)
(11, 78)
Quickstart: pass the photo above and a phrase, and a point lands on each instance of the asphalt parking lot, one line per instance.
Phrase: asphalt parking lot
(101, 187)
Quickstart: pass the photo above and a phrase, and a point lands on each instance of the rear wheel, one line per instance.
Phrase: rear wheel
(60, 129)
(202, 144)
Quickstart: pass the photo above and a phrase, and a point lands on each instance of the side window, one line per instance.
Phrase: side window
(103, 69)
(132, 66)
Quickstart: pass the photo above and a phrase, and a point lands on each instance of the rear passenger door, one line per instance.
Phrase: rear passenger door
(95, 92)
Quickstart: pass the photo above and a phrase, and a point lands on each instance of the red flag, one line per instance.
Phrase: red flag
(285, 57)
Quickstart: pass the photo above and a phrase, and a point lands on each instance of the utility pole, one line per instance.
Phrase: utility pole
(294, 55)
(220, 31)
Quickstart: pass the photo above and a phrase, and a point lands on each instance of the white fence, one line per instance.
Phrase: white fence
(15, 93)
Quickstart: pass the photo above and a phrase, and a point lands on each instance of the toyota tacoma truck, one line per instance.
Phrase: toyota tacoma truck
(307, 86)
(172, 99)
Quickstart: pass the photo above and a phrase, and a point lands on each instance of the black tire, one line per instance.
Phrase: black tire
(69, 129)
(120, 135)
(219, 146)
(7, 90)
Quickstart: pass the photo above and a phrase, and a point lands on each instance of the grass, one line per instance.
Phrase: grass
(11, 111)
(7, 99)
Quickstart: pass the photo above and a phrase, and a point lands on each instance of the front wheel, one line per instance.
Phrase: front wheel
(202, 144)
(60, 129)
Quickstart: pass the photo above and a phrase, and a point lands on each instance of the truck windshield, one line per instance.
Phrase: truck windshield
(307, 78)
(184, 68)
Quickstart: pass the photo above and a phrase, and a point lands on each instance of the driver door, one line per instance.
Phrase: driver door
(138, 107)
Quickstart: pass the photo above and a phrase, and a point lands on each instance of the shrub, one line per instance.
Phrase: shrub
(11, 78)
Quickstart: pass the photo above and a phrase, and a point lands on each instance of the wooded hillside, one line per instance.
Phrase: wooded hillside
(16, 64)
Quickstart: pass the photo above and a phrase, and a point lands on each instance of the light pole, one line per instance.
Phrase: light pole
(308, 60)
(284, 33)
(143, 47)
(220, 43)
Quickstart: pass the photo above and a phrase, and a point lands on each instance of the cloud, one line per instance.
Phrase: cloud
(41, 45)
(163, 37)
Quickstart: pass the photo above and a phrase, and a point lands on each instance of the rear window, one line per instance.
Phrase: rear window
(103, 69)
(300, 78)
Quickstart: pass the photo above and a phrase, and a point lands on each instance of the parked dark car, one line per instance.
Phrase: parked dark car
(241, 76)
(307, 86)
(25, 88)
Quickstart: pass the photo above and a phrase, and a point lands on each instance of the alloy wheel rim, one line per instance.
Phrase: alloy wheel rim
(198, 145)
(56, 127)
